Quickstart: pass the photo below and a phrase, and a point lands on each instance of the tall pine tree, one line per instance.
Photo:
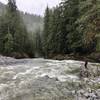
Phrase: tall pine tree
(17, 30)
(46, 31)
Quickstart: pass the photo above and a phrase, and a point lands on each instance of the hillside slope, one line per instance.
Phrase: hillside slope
(2, 8)
(32, 22)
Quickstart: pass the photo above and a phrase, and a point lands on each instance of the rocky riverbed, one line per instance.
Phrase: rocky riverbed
(44, 79)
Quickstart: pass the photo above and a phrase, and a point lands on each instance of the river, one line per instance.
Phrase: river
(40, 79)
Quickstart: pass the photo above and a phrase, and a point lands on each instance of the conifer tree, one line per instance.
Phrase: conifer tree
(46, 31)
(17, 31)
(89, 14)
(8, 43)
(38, 43)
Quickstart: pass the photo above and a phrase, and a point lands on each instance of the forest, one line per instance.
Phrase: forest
(72, 27)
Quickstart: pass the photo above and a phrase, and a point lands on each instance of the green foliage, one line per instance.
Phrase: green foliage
(98, 43)
(89, 21)
(8, 44)
(13, 32)
(71, 13)
(46, 31)
(32, 21)
(71, 27)
(38, 44)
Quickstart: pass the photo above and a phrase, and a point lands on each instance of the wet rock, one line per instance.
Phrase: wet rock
(90, 71)
(19, 55)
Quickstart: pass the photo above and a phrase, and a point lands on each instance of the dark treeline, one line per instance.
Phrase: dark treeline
(15, 40)
(72, 27)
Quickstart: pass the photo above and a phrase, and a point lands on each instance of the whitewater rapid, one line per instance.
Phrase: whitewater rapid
(36, 79)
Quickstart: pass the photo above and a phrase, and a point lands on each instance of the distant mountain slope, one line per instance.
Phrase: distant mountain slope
(32, 22)
(2, 8)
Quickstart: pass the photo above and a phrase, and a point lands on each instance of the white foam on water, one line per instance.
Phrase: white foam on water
(16, 80)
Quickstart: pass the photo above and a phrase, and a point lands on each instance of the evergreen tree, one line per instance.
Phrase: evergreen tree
(56, 39)
(89, 13)
(16, 27)
(72, 26)
(46, 30)
(74, 37)
(38, 43)
(8, 43)
(17, 30)
(3, 32)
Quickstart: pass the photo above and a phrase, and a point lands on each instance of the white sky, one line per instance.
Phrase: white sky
(34, 6)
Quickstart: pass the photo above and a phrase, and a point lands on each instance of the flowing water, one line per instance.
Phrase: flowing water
(38, 79)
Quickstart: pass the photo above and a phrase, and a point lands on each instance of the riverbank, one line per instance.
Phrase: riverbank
(93, 57)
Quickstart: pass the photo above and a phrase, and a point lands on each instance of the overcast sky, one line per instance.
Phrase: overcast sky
(34, 6)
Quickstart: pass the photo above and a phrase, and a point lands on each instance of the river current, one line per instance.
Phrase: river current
(37, 79)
